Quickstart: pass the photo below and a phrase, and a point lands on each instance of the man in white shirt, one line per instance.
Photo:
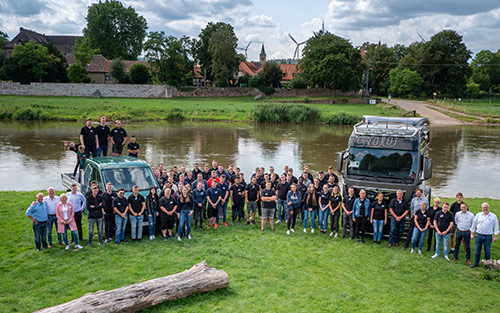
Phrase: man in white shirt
(79, 203)
(463, 221)
(52, 201)
(485, 226)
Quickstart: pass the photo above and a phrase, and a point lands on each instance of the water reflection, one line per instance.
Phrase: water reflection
(464, 158)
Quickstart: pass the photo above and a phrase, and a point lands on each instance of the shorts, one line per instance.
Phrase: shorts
(267, 213)
(453, 229)
(118, 149)
(212, 212)
(167, 221)
(251, 207)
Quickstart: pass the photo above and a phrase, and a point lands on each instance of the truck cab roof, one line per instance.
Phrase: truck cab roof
(391, 126)
(117, 162)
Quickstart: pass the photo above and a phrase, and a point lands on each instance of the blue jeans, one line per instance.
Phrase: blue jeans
(40, 231)
(136, 226)
(420, 236)
(480, 241)
(120, 224)
(52, 221)
(396, 230)
(103, 149)
(378, 226)
(282, 204)
(323, 219)
(223, 208)
(308, 214)
(445, 240)
(98, 222)
(152, 223)
(458, 240)
(184, 218)
(74, 235)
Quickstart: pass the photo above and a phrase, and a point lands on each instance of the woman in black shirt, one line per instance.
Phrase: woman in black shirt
(378, 217)
(422, 222)
(311, 207)
(152, 205)
(324, 208)
(432, 212)
(336, 202)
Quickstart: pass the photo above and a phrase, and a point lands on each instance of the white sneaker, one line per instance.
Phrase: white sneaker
(106, 241)
(189, 236)
(412, 251)
(331, 234)
(435, 256)
(278, 221)
(420, 252)
(154, 237)
(446, 258)
(179, 238)
(288, 232)
(305, 230)
(67, 248)
(292, 230)
(78, 247)
(150, 237)
(312, 230)
(336, 235)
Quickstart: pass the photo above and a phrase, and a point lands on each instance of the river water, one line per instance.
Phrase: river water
(465, 158)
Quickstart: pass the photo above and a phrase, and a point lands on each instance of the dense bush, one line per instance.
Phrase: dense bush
(285, 113)
(76, 74)
(342, 118)
(139, 74)
(267, 90)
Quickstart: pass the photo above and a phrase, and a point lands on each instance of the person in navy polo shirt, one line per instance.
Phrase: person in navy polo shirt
(37, 212)
(133, 147)
(118, 138)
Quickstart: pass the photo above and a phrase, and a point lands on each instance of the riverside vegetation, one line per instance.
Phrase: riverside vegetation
(268, 271)
(209, 109)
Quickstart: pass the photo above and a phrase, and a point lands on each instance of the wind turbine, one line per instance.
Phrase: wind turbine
(296, 54)
(245, 49)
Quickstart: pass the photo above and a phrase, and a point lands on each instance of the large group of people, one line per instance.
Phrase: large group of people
(206, 194)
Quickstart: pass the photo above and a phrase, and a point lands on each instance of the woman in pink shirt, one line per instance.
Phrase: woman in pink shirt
(66, 220)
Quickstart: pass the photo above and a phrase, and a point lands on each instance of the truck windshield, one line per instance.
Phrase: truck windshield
(383, 163)
(126, 178)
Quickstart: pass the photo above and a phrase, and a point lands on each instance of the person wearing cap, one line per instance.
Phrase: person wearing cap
(88, 139)
(485, 228)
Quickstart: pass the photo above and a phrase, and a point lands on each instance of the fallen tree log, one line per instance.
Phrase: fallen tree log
(492, 263)
(199, 278)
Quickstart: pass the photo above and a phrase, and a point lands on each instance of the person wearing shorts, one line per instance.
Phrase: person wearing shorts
(252, 198)
(213, 200)
(168, 208)
(268, 197)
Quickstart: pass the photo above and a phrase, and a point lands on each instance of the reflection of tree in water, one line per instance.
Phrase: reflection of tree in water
(386, 163)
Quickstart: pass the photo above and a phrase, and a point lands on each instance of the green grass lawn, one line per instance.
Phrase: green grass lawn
(268, 271)
(229, 108)
(483, 108)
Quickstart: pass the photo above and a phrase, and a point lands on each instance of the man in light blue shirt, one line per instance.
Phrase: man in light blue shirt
(37, 212)
(485, 227)
(414, 207)
(463, 221)
(79, 203)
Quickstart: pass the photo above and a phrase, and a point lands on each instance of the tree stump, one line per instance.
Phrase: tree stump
(133, 298)
(492, 263)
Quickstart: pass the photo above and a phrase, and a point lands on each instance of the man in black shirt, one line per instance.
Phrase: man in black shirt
(237, 200)
(95, 214)
(118, 138)
(443, 223)
(282, 189)
(268, 197)
(331, 174)
(109, 217)
(454, 208)
(133, 147)
(120, 207)
(88, 139)
(347, 214)
(137, 205)
(399, 209)
(252, 197)
(103, 137)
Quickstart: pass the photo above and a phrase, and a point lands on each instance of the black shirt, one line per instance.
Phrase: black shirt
(399, 207)
(168, 203)
(422, 218)
(88, 135)
(118, 135)
(136, 202)
(335, 202)
(432, 212)
(102, 134)
(107, 201)
(303, 191)
(206, 176)
(282, 189)
(309, 200)
(455, 207)
(443, 220)
(349, 202)
(133, 146)
(336, 180)
(237, 199)
(252, 192)
(94, 206)
(185, 205)
(268, 204)
(324, 198)
(120, 204)
(379, 210)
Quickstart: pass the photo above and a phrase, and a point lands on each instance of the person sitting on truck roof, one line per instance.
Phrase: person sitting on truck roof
(398, 209)
(120, 207)
(118, 137)
(137, 205)
(361, 208)
(133, 147)
(414, 207)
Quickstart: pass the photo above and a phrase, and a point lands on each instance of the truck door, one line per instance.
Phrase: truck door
(87, 177)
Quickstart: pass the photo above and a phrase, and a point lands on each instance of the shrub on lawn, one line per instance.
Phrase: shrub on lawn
(285, 113)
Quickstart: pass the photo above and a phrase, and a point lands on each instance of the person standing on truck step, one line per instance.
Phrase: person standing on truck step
(347, 213)
(118, 138)
(120, 207)
(361, 208)
(109, 217)
(96, 213)
(137, 205)
(79, 203)
(88, 139)
(103, 132)
(133, 147)
(52, 201)
(463, 222)
(454, 209)
(37, 212)
(443, 223)
(398, 209)
(485, 226)
(414, 207)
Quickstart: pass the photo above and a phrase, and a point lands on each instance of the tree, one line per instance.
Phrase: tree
(222, 49)
(405, 82)
(117, 31)
(169, 58)
(486, 70)
(273, 73)
(77, 74)
(4, 39)
(381, 60)
(332, 62)
(58, 72)
(83, 52)
(139, 74)
(118, 71)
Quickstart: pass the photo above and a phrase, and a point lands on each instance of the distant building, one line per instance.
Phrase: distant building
(262, 55)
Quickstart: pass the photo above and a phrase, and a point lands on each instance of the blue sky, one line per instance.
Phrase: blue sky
(388, 21)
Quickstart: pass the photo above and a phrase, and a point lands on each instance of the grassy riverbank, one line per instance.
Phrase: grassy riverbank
(268, 271)
(225, 109)
(476, 111)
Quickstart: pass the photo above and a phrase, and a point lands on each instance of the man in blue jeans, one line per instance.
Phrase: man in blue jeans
(120, 208)
(443, 223)
(37, 212)
(137, 205)
(224, 195)
(398, 209)
(52, 201)
(103, 133)
(282, 189)
(485, 225)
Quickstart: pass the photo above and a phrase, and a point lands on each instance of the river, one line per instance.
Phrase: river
(465, 158)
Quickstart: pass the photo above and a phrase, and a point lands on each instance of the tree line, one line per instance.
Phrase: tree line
(437, 67)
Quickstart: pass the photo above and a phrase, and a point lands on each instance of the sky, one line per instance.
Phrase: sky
(269, 22)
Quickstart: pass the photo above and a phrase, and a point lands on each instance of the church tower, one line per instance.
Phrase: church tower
(262, 55)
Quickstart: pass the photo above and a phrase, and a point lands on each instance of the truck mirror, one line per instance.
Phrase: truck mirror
(340, 161)
(427, 168)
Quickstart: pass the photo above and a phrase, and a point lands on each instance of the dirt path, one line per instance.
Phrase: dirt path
(424, 109)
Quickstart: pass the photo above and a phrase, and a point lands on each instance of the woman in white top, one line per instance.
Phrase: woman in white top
(66, 220)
